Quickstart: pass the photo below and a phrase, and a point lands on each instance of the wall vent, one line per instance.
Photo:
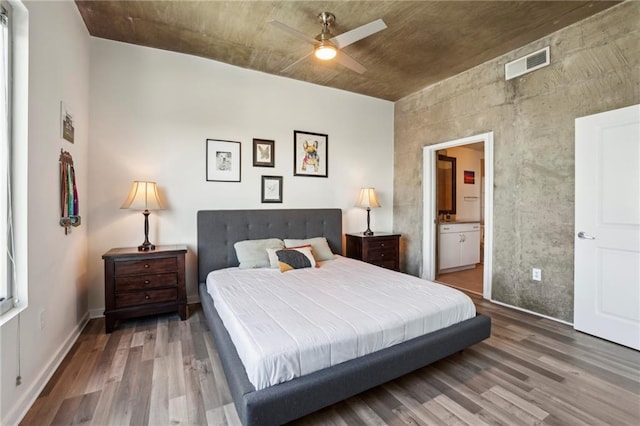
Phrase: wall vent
(526, 64)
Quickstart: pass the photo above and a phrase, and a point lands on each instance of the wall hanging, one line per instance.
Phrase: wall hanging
(69, 210)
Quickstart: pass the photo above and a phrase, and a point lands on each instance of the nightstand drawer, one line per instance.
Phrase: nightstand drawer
(382, 244)
(146, 266)
(145, 297)
(143, 282)
(379, 255)
(389, 263)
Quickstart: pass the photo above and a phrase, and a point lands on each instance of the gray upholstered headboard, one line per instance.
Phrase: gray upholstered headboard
(218, 230)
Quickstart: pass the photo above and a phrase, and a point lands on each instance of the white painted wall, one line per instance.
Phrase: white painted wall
(57, 281)
(468, 209)
(151, 112)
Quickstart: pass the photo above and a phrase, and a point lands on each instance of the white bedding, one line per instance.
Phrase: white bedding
(285, 325)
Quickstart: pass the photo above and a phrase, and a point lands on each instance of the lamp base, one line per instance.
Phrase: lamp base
(146, 247)
(368, 232)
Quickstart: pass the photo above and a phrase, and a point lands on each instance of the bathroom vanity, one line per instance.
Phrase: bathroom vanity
(459, 246)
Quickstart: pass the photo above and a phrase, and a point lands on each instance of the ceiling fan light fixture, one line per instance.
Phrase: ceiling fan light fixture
(325, 50)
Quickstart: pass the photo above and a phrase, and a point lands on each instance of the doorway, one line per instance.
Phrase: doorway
(458, 236)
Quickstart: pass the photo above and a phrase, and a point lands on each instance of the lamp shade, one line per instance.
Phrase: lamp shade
(367, 198)
(143, 196)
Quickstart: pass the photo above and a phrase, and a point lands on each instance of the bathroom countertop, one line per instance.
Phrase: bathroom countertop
(461, 221)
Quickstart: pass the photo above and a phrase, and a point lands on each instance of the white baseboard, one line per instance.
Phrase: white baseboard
(96, 313)
(20, 409)
(531, 312)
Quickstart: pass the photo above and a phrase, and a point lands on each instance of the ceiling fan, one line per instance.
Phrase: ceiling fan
(326, 46)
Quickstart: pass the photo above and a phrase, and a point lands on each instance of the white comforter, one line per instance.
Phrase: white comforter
(285, 325)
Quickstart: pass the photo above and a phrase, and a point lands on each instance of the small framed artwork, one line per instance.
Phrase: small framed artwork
(66, 123)
(310, 154)
(263, 153)
(223, 161)
(272, 189)
(469, 177)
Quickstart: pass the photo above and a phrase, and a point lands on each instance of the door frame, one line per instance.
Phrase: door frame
(429, 157)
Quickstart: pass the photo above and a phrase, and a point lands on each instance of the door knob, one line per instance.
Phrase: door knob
(585, 236)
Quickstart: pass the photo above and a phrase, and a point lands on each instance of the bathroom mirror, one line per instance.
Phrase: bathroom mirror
(446, 185)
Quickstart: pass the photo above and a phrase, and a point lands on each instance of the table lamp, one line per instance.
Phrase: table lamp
(367, 199)
(143, 196)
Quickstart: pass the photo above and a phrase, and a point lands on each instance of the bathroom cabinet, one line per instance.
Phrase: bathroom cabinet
(459, 246)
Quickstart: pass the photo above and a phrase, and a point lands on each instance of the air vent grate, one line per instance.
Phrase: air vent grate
(526, 64)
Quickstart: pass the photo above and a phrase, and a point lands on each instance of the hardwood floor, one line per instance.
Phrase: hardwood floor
(470, 280)
(163, 371)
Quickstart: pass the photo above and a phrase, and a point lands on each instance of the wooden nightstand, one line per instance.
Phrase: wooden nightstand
(138, 283)
(381, 249)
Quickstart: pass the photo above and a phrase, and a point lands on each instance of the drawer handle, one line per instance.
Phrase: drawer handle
(147, 282)
(382, 255)
(381, 244)
(146, 265)
(147, 297)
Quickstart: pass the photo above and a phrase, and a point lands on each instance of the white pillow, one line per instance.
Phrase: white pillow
(253, 253)
(319, 245)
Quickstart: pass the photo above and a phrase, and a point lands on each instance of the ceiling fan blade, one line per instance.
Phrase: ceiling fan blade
(349, 62)
(293, 32)
(296, 62)
(356, 34)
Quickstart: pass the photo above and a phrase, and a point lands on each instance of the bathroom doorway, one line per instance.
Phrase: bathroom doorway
(457, 208)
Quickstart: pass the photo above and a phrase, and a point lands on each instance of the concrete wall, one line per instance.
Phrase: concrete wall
(151, 113)
(594, 68)
(34, 343)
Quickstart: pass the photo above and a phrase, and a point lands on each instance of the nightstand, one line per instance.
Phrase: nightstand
(380, 249)
(139, 283)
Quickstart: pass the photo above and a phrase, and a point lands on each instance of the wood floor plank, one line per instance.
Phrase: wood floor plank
(86, 409)
(365, 412)
(415, 407)
(161, 371)
(103, 407)
(521, 416)
(437, 408)
(159, 401)
(231, 415)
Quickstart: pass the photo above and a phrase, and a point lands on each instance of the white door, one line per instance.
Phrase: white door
(607, 233)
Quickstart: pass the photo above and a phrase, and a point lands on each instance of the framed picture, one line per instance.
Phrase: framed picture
(264, 153)
(272, 189)
(310, 154)
(223, 161)
(469, 177)
(66, 123)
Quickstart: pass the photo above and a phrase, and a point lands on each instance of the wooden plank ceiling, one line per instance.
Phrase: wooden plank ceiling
(425, 42)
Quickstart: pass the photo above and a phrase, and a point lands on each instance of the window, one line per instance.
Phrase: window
(7, 269)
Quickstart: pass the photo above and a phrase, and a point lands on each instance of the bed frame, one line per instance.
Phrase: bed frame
(218, 230)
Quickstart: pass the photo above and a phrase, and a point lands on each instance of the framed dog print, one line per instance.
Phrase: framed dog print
(272, 189)
(263, 153)
(310, 154)
(223, 161)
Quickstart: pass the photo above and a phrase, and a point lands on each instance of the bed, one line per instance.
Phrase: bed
(287, 401)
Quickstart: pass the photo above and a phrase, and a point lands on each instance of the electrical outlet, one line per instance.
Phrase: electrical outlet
(536, 274)
(42, 319)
